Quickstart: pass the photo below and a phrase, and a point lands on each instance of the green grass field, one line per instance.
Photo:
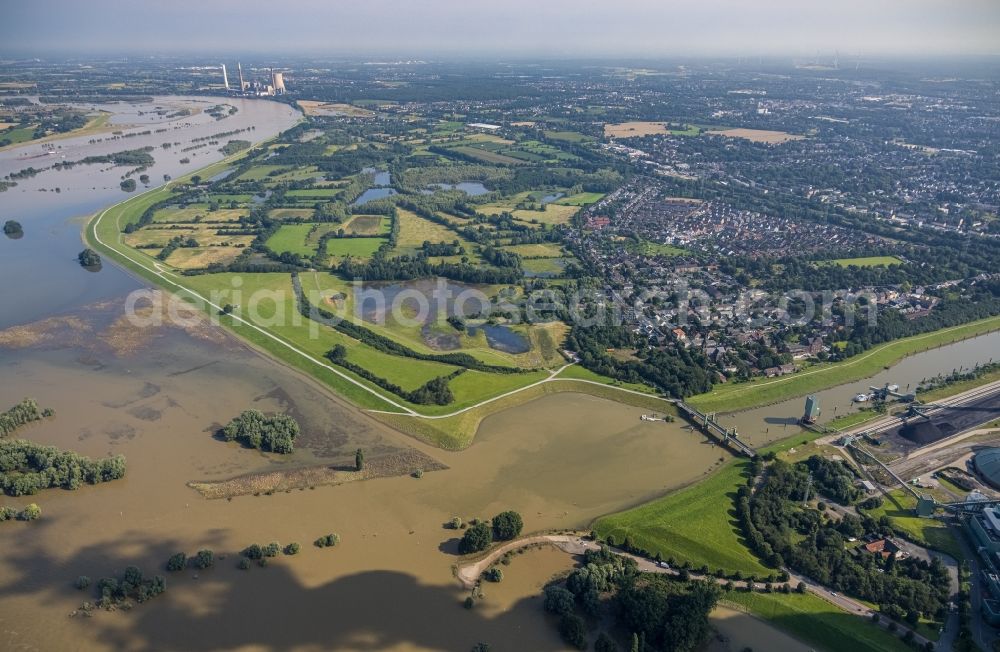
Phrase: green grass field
(367, 225)
(544, 266)
(18, 135)
(695, 524)
(292, 237)
(539, 250)
(291, 213)
(485, 155)
(815, 621)
(870, 261)
(567, 136)
(581, 199)
(324, 193)
(355, 247)
(740, 396)
(899, 506)
(551, 214)
(658, 249)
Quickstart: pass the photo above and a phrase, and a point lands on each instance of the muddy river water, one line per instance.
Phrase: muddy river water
(157, 395)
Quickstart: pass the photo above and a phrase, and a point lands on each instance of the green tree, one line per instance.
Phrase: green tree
(359, 460)
(30, 512)
(476, 538)
(507, 525)
(204, 559)
(605, 643)
(89, 258)
(177, 562)
(573, 631)
(493, 575)
(558, 600)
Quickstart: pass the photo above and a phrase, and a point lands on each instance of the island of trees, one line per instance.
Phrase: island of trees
(13, 229)
(478, 536)
(275, 433)
(26, 468)
(89, 258)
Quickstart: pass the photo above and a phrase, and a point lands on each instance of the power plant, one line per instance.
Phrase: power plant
(273, 85)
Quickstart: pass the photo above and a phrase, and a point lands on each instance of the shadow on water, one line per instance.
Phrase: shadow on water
(264, 608)
(450, 546)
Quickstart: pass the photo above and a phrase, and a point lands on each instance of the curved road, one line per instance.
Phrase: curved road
(469, 573)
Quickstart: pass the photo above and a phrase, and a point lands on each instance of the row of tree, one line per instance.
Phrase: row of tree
(23, 413)
(27, 468)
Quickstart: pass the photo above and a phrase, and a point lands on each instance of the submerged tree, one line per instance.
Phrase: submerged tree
(89, 258)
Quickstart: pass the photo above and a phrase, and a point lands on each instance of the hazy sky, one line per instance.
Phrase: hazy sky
(507, 27)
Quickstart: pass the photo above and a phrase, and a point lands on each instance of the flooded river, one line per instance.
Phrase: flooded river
(158, 395)
(49, 279)
(764, 425)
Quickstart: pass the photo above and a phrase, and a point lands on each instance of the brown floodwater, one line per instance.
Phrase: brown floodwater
(157, 398)
(738, 631)
(158, 395)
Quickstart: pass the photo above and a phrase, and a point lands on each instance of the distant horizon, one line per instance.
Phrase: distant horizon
(555, 29)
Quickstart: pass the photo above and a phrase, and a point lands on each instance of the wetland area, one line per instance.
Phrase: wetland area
(158, 395)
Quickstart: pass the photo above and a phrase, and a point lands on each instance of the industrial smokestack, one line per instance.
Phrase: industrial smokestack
(239, 67)
(225, 78)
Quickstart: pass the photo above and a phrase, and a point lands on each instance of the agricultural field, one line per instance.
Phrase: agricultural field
(636, 129)
(201, 257)
(367, 225)
(198, 213)
(310, 193)
(310, 107)
(272, 218)
(485, 155)
(354, 247)
(292, 238)
(291, 213)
